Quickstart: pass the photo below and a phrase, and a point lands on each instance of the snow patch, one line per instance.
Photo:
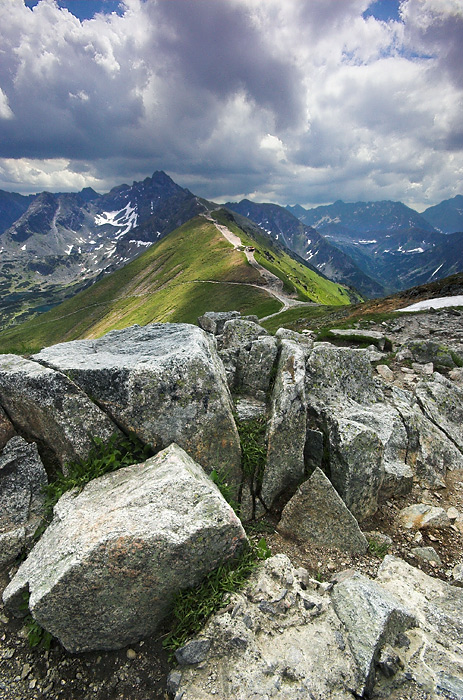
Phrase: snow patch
(435, 271)
(125, 218)
(438, 303)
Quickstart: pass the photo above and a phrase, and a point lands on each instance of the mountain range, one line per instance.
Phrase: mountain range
(54, 245)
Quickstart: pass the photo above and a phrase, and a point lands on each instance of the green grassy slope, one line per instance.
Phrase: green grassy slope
(190, 271)
(299, 279)
(166, 283)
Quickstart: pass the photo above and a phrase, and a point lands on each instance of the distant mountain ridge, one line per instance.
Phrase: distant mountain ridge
(61, 242)
(309, 244)
(447, 216)
(54, 244)
(391, 242)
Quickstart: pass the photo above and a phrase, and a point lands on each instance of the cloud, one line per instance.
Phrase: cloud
(302, 100)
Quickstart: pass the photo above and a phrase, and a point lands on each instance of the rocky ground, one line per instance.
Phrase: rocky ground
(139, 672)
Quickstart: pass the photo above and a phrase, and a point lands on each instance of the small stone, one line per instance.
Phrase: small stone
(193, 652)
(131, 654)
(452, 513)
(418, 537)
(26, 669)
(428, 554)
(457, 575)
(420, 516)
(173, 682)
(385, 373)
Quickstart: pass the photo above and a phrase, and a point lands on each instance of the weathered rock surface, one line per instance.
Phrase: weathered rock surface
(287, 334)
(372, 618)
(286, 432)
(22, 476)
(362, 336)
(434, 654)
(430, 453)
(356, 465)
(214, 321)
(336, 374)
(238, 332)
(105, 571)
(46, 406)
(442, 403)
(254, 367)
(318, 515)
(7, 430)
(165, 383)
(276, 639)
(426, 351)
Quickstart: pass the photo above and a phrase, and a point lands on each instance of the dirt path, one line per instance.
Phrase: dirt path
(273, 284)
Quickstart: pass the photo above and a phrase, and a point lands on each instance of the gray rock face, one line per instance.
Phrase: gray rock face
(426, 351)
(434, 656)
(238, 333)
(214, 321)
(318, 515)
(421, 516)
(254, 367)
(357, 470)
(430, 452)
(335, 374)
(46, 406)
(442, 403)
(7, 430)
(22, 476)
(374, 337)
(286, 333)
(107, 568)
(277, 640)
(373, 618)
(287, 425)
(165, 383)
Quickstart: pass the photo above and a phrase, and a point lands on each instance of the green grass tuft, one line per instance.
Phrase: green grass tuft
(194, 606)
(253, 447)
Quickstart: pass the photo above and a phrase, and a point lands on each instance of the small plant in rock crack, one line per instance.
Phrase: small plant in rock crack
(36, 635)
(119, 451)
(379, 549)
(253, 447)
(194, 606)
(224, 487)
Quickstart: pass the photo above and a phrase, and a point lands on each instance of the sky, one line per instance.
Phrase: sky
(287, 101)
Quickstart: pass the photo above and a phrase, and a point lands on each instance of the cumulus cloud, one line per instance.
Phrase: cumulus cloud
(302, 100)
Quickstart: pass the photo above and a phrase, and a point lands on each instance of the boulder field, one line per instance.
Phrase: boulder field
(342, 433)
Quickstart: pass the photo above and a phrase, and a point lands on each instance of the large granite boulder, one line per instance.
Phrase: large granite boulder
(356, 465)
(165, 383)
(47, 407)
(106, 570)
(22, 477)
(235, 343)
(287, 425)
(336, 374)
(317, 515)
(255, 368)
(214, 321)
